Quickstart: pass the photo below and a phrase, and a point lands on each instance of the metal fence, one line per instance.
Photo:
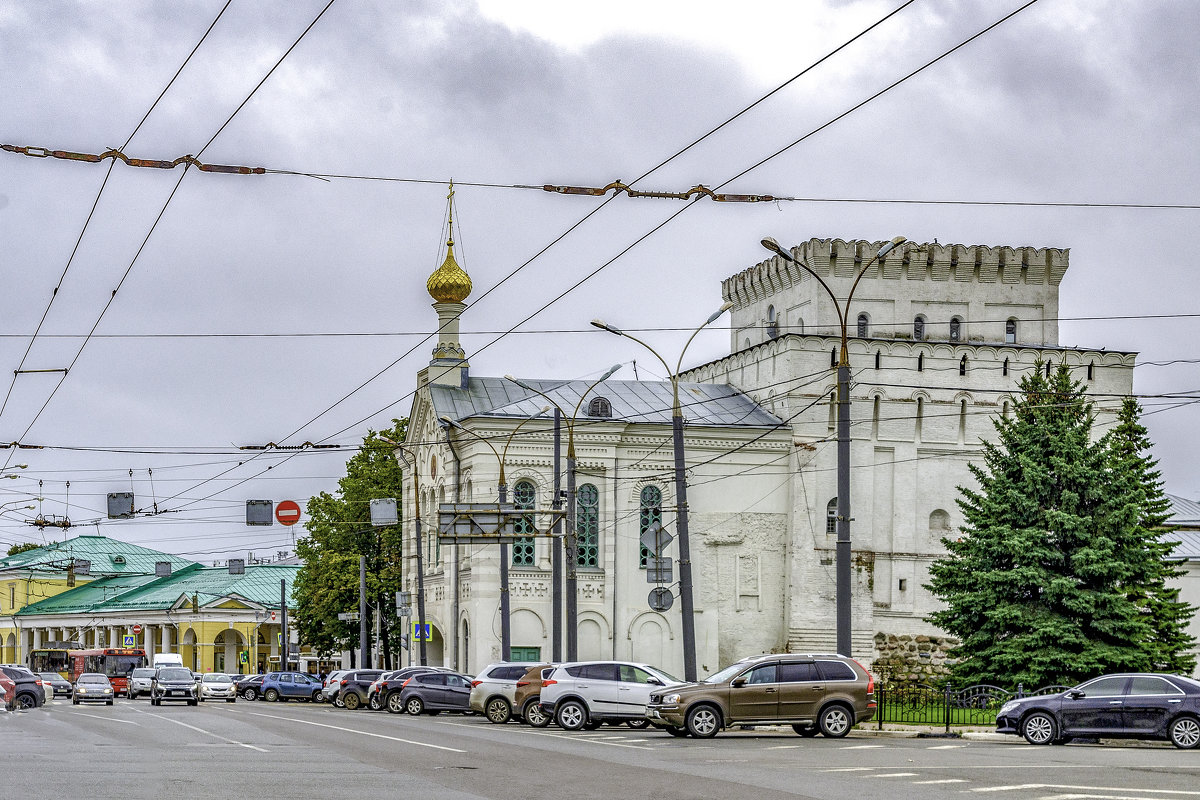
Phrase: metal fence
(923, 704)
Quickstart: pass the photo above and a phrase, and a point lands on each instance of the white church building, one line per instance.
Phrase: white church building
(939, 336)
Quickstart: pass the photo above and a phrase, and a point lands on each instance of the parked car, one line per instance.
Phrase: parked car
(92, 687)
(330, 689)
(826, 694)
(218, 686)
(1123, 706)
(527, 699)
(388, 687)
(139, 681)
(290, 686)
(494, 689)
(173, 683)
(352, 687)
(434, 692)
(8, 692)
(585, 695)
(55, 684)
(29, 692)
(249, 687)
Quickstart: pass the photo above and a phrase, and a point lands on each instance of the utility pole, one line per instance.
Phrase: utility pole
(364, 641)
(556, 549)
(283, 625)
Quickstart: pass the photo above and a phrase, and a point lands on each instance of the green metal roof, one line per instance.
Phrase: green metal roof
(211, 585)
(107, 557)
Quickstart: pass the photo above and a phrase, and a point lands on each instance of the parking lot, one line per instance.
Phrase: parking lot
(314, 751)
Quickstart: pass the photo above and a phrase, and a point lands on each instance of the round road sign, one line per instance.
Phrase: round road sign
(136, 628)
(660, 599)
(287, 512)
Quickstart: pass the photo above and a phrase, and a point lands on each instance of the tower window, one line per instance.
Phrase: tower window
(1010, 331)
(833, 357)
(919, 329)
(863, 321)
(878, 355)
(772, 323)
(955, 329)
(920, 362)
(1091, 370)
(1005, 368)
(962, 366)
(831, 516)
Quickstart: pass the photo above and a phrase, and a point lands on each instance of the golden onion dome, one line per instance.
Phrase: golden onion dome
(449, 283)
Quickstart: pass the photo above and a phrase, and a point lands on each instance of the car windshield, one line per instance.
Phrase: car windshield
(666, 676)
(724, 675)
(51, 676)
(143, 672)
(176, 674)
(93, 678)
(217, 678)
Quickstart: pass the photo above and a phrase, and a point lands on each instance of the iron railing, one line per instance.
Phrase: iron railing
(924, 704)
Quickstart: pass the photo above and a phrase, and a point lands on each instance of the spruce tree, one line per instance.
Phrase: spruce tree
(1135, 474)
(1034, 587)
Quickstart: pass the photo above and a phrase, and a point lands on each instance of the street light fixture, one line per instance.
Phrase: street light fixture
(842, 569)
(571, 541)
(502, 494)
(681, 514)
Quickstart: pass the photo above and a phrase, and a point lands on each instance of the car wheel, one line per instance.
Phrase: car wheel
(110, 702)
(231, 700)
(76, 702)
(1039, 728)
(1185, 732)
(250, 694)
(807, 731)
(676, 731)
(193, 702)
(414, 706)
(337, 703)
(638, 724)
(535, 717)
(835, 721)
(393, 703)
(271, 696)
(26, 700)
(498, 711)
(703, 722)
(375, 703)
(571, 715)
(352, 701)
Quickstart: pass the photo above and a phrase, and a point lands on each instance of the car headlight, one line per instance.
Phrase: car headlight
(1008, 707)
(671, 699)
(108, 691)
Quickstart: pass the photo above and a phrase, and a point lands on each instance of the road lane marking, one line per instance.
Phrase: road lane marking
(361, 733)
(946, 747)
(894, 775)
(785, 747)
(864, 747)
(942, 780)
(849, 769)
(105, 719)
(201, 730)
(1107, 789)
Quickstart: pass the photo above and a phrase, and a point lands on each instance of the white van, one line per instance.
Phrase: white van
(167, 660)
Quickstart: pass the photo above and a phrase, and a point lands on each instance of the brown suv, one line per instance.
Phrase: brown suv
(527, 700)
(825, 694)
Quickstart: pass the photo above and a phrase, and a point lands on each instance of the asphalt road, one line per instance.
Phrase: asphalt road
(299, 750)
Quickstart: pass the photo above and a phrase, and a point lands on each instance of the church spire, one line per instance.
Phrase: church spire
(449, 286)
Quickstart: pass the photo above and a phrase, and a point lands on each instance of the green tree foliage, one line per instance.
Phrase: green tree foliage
(21, 548)
(1141, 485)
(1048, 582)
(339, 531)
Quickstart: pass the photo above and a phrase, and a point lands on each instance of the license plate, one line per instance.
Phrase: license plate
(180, 693)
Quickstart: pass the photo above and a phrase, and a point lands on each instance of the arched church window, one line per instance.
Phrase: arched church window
(863, 323)
(1010, 332)
(962, 365)
(919, 328)
(772, 323)
(524, 495)
(955, 329)
(587, 526)
(831, 516)
(651, 513)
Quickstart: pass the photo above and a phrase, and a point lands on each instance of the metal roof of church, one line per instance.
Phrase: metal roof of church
(711, 404)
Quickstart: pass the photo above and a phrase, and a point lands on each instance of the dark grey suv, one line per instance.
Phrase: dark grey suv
(817, 693)
(174, 683)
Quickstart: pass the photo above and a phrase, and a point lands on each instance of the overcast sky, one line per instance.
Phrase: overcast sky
(209, 343)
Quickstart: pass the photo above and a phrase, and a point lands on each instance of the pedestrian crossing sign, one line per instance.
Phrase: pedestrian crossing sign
(128, 640)
(422, 630)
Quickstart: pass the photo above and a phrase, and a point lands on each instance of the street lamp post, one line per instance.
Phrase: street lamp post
(842, 569)
(571, 541)
(420, 563)
(502, 493)
(686, 608)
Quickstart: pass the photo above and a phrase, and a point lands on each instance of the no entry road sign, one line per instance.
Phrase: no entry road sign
(287, 512)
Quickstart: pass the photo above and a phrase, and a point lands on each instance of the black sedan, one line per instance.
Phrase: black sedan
(249, 687)
(1125, 706)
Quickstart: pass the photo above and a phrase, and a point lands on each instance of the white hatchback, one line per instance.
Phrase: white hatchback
(586, 694)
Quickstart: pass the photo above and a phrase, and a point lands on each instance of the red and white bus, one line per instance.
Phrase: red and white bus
(115, 662)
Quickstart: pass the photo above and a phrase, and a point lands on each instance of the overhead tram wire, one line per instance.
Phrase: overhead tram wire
(658, 227)
(92, 212)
